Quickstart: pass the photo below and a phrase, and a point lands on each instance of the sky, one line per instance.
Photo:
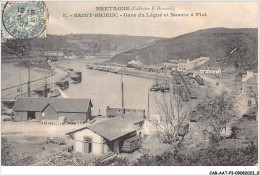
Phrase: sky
(219, 14)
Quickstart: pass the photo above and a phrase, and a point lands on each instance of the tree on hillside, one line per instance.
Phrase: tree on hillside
(215, 112)
(240, 53)
(172, 115)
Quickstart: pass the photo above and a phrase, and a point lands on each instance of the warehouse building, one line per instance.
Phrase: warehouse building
(121, 133)
(52, 108)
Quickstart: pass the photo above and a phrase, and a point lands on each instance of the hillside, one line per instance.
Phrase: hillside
(81, 44)
(215, 43)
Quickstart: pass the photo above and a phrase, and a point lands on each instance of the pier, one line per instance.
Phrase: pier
(129, 71)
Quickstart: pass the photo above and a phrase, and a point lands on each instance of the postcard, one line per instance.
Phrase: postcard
(129, 83)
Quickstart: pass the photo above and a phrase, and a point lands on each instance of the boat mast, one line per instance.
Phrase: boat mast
(51, 85)
(29, 80)
(165, 71)
(21, 83)
(122, 89)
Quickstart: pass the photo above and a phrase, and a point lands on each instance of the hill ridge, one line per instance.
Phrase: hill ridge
(214, 43)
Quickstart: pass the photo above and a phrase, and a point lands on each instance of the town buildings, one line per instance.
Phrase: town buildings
(185, 64)
(211, 70)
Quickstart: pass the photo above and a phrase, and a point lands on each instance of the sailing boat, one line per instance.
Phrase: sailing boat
(156, 86)
(53, 92)
(165, 87)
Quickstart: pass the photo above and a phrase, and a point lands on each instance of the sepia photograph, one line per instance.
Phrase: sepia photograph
(129, 84)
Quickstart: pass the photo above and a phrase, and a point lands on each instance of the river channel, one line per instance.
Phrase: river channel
(103, 88)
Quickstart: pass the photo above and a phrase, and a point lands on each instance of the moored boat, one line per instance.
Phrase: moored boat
(155, 87)
(165, 87)
(63, 84)
(54, 93)
(76, 78)
(42, 91)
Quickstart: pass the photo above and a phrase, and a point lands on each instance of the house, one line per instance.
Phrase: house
(134, 64)
(112, 112)
(52, 108)
(183, 64)
(177, 64)
(211, 70)
(247, 100)
(108, 135)
(249, 80)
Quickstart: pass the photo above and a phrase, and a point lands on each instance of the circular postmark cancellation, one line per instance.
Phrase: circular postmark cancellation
(25, 19)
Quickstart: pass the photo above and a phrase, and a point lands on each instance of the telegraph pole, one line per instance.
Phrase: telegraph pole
(148, 109)
(171, 96)
(45, 88)
(122, 90)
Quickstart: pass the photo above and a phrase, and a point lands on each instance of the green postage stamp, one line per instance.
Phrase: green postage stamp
(24, 20)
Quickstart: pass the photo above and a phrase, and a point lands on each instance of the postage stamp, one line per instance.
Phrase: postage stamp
(24, 20)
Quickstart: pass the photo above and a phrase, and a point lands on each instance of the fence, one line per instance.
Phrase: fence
(52, 122)
(61, 121)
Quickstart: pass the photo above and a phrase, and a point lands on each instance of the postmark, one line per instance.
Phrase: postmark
(24, 20)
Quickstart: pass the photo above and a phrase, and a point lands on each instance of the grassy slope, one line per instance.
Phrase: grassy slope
(81, 44)
(214, 43)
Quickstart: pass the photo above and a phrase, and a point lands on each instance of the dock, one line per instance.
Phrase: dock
(128, 71)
